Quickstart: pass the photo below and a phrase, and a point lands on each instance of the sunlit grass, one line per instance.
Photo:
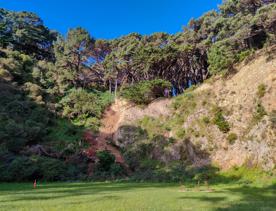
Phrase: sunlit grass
(135, 196)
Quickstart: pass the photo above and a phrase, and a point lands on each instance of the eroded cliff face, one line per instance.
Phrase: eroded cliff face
(187, 127)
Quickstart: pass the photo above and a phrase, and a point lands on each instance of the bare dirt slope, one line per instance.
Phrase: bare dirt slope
(101, 141)
(118, 114)
(257, 142)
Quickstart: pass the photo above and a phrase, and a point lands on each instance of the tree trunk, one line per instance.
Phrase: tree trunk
(116, 86)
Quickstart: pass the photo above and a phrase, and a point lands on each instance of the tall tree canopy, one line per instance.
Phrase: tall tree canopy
(72, 58)
(24, 31)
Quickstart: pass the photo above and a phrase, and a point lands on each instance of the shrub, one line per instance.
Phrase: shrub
(261, 90)
(259, 113)
(206, 120)
(52, 169)
(220, 57)
(21, 121)
(20, 168)
(273, 118)
(63, 132)
(85, 107)
(220, 121)
(15, 144)
(232, 137)
(106, 168)
(106, 160)
(203, 174)
(243, 55)
(181, 133)
(5, 74)
(185, 102)
(146, 91)
(117, 170)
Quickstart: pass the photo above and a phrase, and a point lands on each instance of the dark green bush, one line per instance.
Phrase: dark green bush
(51, 169)
(106, 168)
(85, 107)
(15, 144)
(220, 57)
(261, 90)
(220, 121)
(232, 137)
(156, 172)
(259, 113)
(145, 92)
(63, 133)
(22, 121)
(106, 160)
(20, 168)
(117, 170)
(206, 120)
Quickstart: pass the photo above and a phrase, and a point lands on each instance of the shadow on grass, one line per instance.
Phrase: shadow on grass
(25, 192)
(250, 198)
(212, 199)
(253, 198)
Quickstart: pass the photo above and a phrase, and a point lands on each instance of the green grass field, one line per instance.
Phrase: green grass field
(135, 196)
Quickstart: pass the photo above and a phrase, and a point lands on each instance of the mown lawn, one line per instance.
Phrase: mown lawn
(135, 196)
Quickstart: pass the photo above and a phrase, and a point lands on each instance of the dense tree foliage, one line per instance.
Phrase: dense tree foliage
(210, 44)
(24, 31)
(146, 91)
(72, 57)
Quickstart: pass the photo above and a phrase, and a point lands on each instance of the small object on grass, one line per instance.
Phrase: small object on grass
(35, 183)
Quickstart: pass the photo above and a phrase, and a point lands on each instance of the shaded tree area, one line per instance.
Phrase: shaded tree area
(29, 146)
(36, 142)
(41, 122)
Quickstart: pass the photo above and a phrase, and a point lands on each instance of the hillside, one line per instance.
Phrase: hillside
(164, 107)
(187, 121)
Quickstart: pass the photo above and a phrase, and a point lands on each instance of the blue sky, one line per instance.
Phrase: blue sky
(113, 18)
